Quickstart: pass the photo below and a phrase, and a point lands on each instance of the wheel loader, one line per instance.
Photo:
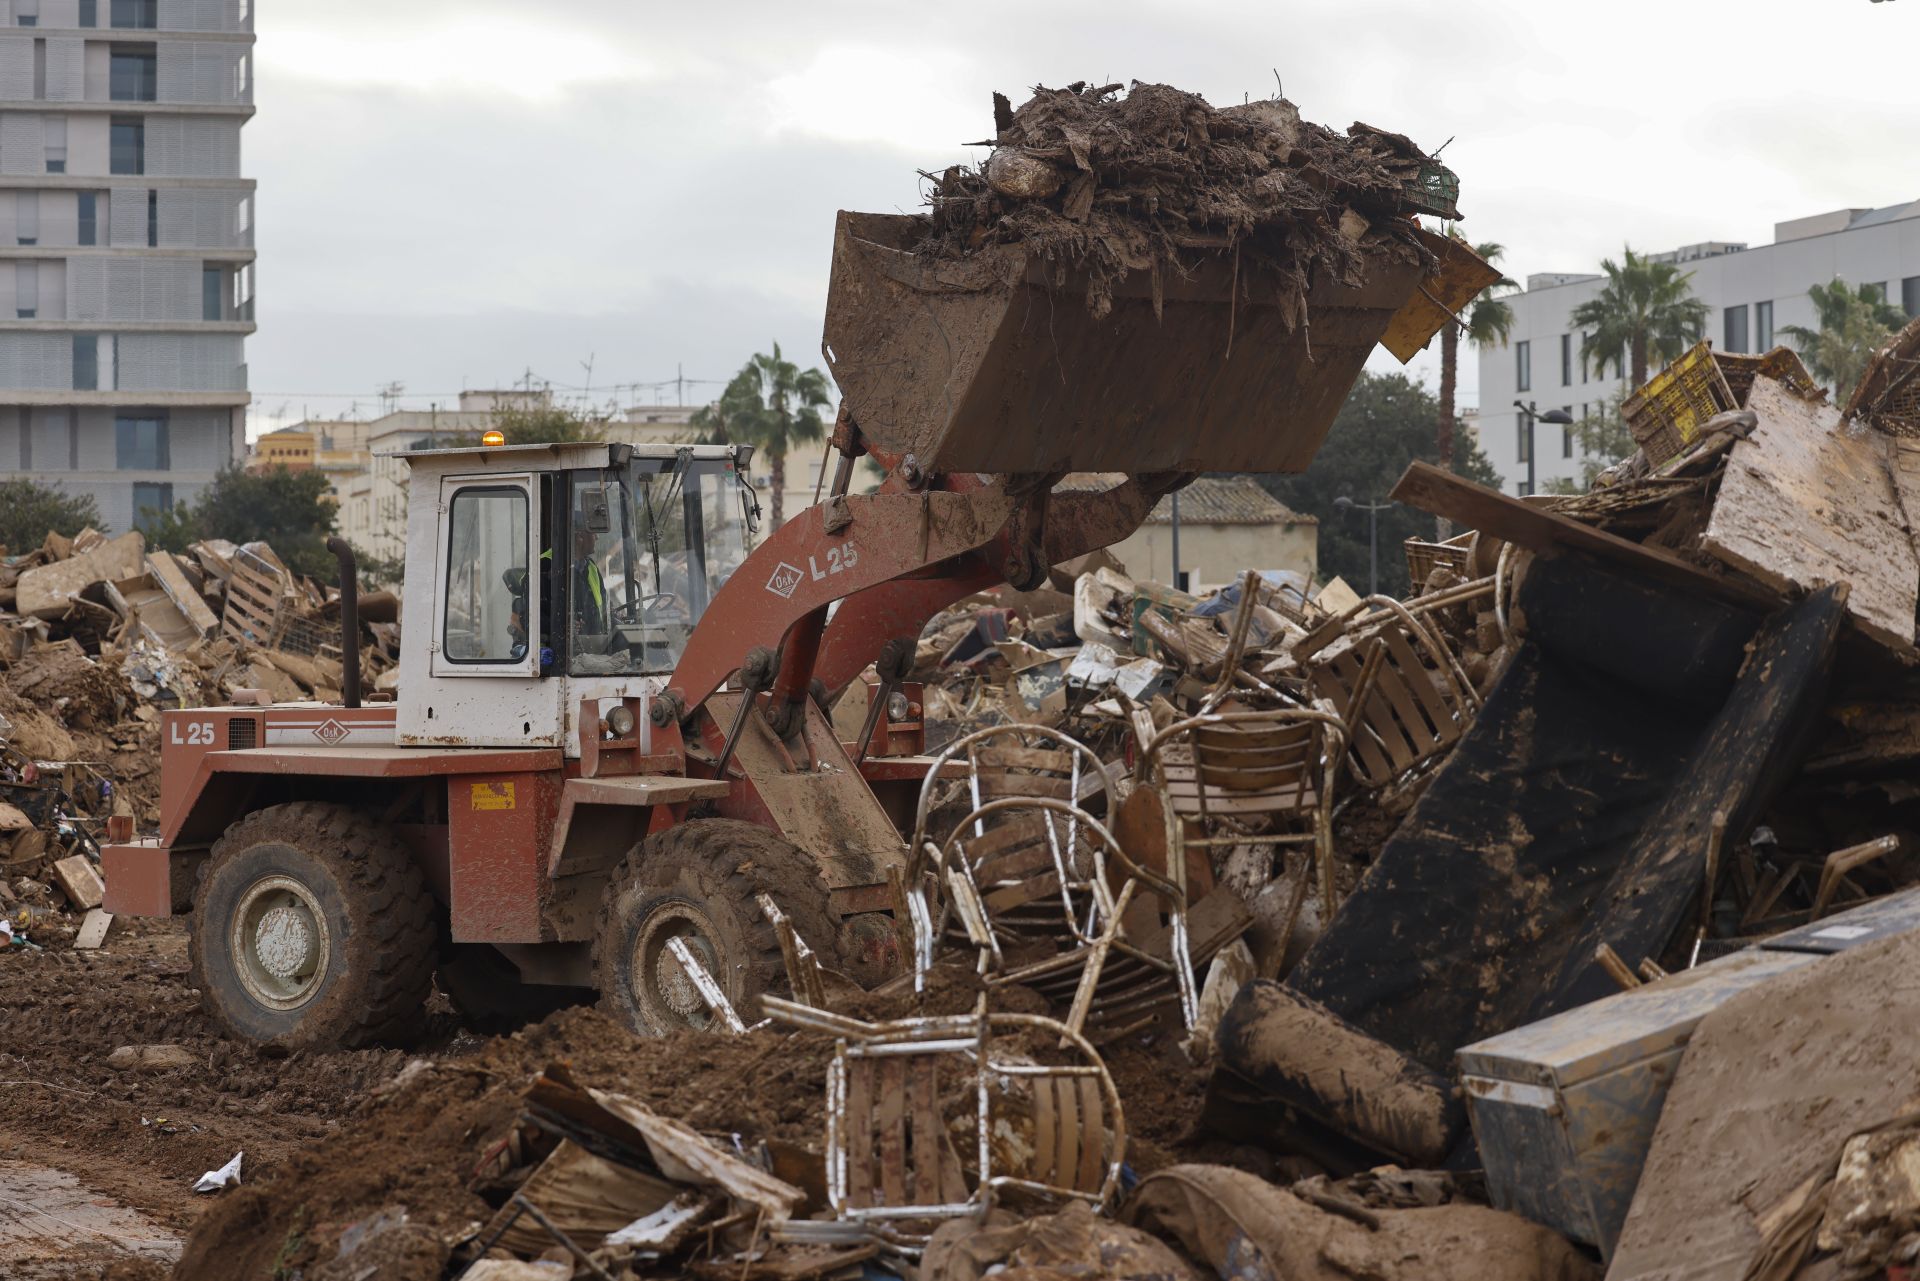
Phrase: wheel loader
(608, 733)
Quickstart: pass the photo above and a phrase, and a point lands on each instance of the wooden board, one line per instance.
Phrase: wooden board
(1805, 502)
(1457, 281)
(1539, 529)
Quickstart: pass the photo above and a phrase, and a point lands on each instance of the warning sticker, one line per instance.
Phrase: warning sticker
(493, 796)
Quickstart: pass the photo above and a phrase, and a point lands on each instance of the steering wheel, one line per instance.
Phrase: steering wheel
(632, 611)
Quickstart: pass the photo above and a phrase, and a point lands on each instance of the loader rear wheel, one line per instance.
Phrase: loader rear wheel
(697, 882)
(312, 928)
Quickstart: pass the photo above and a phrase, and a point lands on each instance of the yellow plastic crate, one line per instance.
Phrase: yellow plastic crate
(1666, 415)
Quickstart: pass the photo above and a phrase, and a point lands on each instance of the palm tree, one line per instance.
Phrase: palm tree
(1489, 321)
(1854, 322)
(773, 405)
(1646, 309)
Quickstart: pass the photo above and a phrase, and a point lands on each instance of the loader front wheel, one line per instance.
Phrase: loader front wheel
(698, 882)
(312, 928)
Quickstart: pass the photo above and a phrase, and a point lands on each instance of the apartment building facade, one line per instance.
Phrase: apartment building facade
(1752, 292)
(126, 246)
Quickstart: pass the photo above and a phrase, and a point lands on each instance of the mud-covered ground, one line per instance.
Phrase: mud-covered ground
(141, 1138)
(98, 1162)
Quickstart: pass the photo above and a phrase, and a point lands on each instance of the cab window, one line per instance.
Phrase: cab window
(486, 588)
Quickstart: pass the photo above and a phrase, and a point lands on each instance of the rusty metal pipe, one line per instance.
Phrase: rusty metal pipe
(349, 621)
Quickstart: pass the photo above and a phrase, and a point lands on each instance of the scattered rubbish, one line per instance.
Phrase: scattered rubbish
(226, 1176)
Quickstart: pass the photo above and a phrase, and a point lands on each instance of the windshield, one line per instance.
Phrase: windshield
(652, 542)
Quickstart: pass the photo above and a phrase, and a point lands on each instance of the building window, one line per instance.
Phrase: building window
(1910, 295)
(210, 291)
(1523, 488)
(140, 442)
(1734, 321)
(1763, 326)
(26, 12)
(1523, 366)
(86, 362)
(486, 547)
(1566, 360)
(1523, 443)
(26, 217)
(128, 151)
(242, 77)
(133, 76)
(1566, 433)
(39, 70)
(243, 292)
(150, 502)
(88, 226)
(139, 15)
(53, 131)
(153, 220)
(243, 217)
(26, 289)
(89, 13)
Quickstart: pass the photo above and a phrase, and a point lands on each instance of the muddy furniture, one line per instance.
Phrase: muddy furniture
(1396, 683)
(890, 1153)
(1035, 895)
(1575, 811)
(1234, 777)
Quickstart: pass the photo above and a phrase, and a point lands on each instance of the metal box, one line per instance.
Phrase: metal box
(1564, 1109)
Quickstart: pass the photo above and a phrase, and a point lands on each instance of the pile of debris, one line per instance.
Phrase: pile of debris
(1113, 183)
(98, 635)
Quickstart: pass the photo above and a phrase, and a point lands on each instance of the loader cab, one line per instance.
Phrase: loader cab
(550, 573)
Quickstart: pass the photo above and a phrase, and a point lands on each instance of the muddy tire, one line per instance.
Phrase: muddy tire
(698, 881)
(486, 989)
(312, 928)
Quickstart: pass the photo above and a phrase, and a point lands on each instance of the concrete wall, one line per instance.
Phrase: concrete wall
(76, 448)
(1214, 555)
(1780, 273)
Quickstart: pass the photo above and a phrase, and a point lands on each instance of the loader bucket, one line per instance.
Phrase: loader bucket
(994, 363)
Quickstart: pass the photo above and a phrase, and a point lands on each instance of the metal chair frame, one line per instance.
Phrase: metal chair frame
(851, 1118)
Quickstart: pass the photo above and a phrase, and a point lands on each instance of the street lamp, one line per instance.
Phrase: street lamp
(1558, 417)
(1343, 505)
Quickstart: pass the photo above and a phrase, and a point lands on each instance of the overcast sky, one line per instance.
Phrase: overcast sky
(455, 192)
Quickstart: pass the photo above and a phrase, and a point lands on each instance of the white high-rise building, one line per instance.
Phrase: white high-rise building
(1752, 292)
(126, 245)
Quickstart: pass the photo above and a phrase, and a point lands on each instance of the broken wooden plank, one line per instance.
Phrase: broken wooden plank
(1539, 529)
(79, 881)
(172, 579)
(1805, 502)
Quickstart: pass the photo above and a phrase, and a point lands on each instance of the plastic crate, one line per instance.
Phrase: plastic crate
(1666, 415)
(1435, 191)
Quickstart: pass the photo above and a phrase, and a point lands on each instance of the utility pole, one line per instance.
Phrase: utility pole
(1175, 498)
(1373, 510)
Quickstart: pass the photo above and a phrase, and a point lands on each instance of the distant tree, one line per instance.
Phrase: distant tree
(1854, 322)
(294, 512)
(1386, 423)
(545, 425)
(29, 511)
(773, 405)
(1489, 322)
(1645, 309)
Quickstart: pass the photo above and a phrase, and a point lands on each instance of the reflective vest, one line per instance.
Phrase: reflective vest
(596, 588)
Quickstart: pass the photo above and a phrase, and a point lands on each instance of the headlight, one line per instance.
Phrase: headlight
(898, 708)
(620, 722)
